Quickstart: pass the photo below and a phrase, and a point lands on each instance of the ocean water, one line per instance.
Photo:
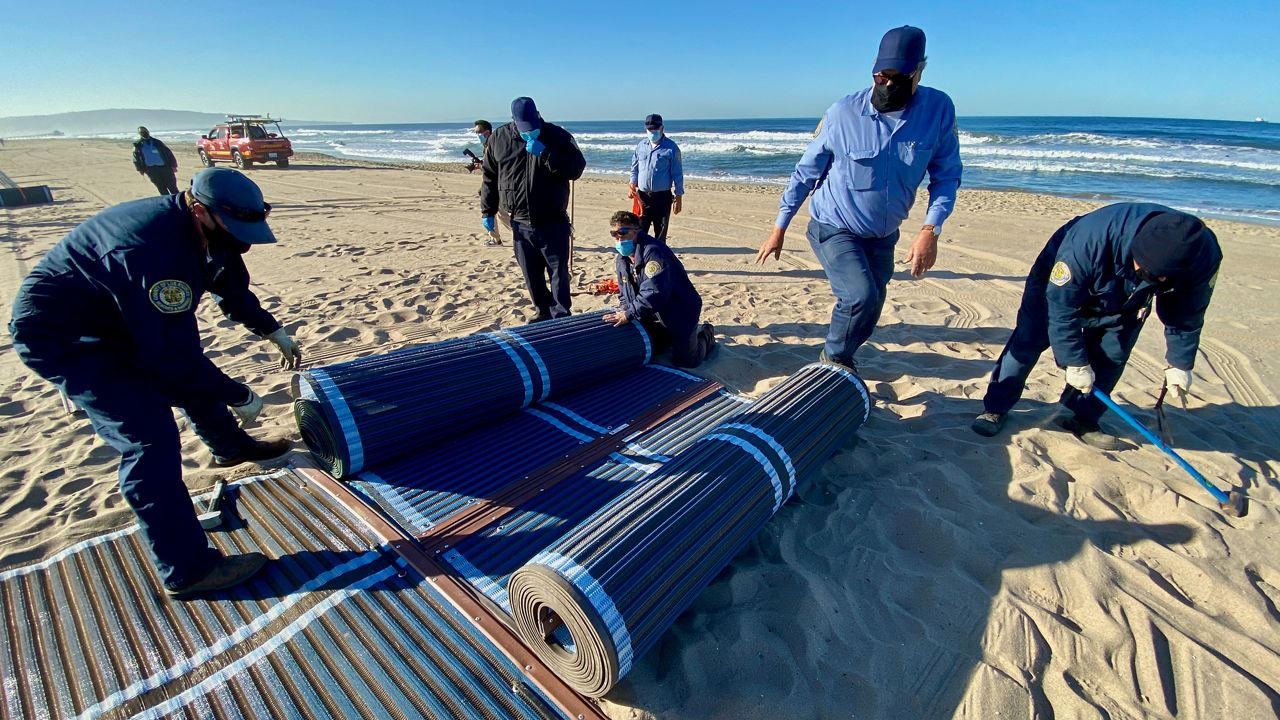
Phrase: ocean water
(1219, 168)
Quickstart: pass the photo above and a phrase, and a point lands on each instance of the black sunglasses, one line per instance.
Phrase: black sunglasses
(621, 232)
(249, 216)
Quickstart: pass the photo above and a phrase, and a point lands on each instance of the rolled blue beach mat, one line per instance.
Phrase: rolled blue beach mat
(355, 415)
(595, 601)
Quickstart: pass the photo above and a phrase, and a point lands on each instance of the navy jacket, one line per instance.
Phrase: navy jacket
(1089, 280)
(532, 188)
(128, 281)
(657, 287)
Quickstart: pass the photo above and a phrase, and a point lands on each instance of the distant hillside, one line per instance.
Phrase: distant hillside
(91, 122)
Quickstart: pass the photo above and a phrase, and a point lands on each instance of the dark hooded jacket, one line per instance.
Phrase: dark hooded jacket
(533, 188)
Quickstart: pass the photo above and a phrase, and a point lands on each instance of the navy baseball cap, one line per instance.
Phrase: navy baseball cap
(237, 202)
(525, 114)
(653, 122)
(901, 49)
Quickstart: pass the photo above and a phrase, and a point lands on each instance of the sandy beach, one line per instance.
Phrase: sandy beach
(927, 572)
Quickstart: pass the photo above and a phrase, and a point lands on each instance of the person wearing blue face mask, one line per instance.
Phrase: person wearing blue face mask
(528, 165)
(654, 290)
(656, 167)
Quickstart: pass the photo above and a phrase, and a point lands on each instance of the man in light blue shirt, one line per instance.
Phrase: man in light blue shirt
(656, 167)
(871, 153)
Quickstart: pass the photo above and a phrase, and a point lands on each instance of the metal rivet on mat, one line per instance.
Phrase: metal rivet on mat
(528, 668)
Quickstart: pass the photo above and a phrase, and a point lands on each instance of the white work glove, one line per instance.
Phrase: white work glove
(1080, 377)
(290, 351)
(248, 410)
(1177, 380)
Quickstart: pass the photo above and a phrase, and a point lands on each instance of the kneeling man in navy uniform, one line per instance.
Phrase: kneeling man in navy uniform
(654, 289)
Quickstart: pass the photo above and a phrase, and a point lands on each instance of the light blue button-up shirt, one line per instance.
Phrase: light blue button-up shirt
(655, 168)
(863, 168)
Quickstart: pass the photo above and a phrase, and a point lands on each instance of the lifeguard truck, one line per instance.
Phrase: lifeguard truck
(244, 140)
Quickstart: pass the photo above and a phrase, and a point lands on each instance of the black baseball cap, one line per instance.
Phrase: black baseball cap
(653, 121)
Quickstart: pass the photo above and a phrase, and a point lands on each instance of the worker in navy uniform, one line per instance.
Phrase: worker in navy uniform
(528, 164)
(870, 155)
(153, 158)
(109, 316)
(656, 168)
(1087, 296)
(654, 290)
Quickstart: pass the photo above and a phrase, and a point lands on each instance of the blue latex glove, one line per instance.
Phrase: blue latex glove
(488, 222)
(535, 147)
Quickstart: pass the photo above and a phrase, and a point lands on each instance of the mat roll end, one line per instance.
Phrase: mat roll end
(559, 622)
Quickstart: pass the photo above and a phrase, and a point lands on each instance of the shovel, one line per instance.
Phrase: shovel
(1234, 504)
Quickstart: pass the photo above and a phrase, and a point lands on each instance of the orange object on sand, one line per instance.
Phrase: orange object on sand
(605, 286)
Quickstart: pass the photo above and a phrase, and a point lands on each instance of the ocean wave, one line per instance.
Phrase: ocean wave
(1043, 166)
(1070, 154)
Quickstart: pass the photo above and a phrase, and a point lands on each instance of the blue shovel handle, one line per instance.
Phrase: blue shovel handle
(1218, 495)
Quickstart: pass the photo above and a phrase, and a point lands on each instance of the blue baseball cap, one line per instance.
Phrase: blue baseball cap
(901, 49)
(237, 201)
(525, 114)
(653, 122)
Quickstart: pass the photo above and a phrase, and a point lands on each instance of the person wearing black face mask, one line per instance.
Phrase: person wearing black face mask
(1087, 296)
(872, 151)
(109, 316)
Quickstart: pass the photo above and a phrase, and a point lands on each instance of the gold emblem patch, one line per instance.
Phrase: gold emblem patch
(1060, 274)
(653, 267)
(171, 296)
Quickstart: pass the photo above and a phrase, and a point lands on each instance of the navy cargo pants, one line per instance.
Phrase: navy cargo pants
(1108, 348)
(135, 419)
(542, 252)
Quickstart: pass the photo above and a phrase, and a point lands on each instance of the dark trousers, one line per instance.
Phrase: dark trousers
(135, 419)
(689, 346)
(859, 270)
(165, 179)
(657, 213)
(1108, 350)
(542, 252)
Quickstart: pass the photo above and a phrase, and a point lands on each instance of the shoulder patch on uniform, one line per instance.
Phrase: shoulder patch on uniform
(1060, 274)
(653, 267)
(171, 296)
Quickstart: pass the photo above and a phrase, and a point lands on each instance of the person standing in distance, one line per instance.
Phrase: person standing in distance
(871, 153)
(528, 165)
(153, 158)
(657, 167)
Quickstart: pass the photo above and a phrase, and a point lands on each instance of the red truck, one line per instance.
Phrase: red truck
(243, 141)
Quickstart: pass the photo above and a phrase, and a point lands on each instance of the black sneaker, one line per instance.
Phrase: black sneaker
(1090, 434)
(824, 358)
(988, 424)
(267, 453)
(229, 572)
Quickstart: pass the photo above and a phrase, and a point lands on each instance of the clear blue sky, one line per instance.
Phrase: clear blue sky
(454, 61)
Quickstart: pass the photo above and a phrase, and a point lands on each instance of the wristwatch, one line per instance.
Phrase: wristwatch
(935, 230)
